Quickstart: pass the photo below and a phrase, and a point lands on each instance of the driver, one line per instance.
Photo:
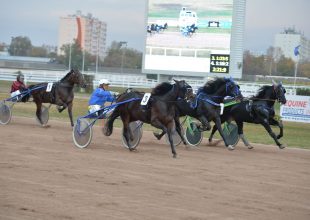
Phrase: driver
(18, 86)
(100, 96)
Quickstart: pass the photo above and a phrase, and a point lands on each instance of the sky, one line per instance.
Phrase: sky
(39, 20)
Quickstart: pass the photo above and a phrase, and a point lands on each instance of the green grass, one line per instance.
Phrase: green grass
(295, 134)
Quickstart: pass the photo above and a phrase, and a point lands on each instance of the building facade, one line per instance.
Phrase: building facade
(89, 32)
(288, 40)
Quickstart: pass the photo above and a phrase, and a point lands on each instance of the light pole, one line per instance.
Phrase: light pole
(83, 61)
(123, 53)
(70, 57)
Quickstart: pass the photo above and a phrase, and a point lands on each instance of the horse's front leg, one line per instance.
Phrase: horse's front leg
(273, 121)
(70, 105)
(62, 107)
(214, 129)
(156, 123)
(271, 133)
(159, 135)
(205, 123)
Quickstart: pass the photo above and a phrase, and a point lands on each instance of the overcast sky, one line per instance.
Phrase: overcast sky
(39, 19)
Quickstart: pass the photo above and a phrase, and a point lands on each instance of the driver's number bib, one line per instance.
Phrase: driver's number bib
(49, 87)
(145, 98)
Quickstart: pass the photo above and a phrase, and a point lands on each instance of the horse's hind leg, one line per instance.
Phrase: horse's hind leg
(126, 130)
(178, 128)
(219, 127)
(38, 112)
(108, 127)
(241, 135)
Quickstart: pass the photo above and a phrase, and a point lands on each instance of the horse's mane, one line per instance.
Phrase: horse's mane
(261, 92)
(66, 76)
(162, 88)
(213, 85)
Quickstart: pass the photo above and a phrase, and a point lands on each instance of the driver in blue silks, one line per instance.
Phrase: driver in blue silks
(100, 96)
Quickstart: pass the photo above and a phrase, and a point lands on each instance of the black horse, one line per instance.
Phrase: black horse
(189, 30)
(61, 93)
(160, 112)
(259, 110)
(204, 109)
(156, 28)
(210, 97)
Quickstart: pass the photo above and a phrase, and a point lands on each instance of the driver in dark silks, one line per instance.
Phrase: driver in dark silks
(100, 96)
(18, 86)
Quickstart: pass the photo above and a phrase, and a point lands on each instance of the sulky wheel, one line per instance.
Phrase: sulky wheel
(82, 133)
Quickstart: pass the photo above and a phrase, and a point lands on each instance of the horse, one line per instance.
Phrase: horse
(61, 93)
(259, 109)
(160, 112)
(204, 109)
(189, 30)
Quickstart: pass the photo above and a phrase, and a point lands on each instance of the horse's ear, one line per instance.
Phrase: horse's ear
(176, 81)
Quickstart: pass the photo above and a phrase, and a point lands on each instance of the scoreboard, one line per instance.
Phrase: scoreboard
(209, 50)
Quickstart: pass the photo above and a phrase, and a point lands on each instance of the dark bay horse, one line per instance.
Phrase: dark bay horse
(61, 93)
(210, 96)
(160, 112)
(206, 107)
(261, 111)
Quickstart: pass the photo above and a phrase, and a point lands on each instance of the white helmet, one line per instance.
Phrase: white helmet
(104, 81)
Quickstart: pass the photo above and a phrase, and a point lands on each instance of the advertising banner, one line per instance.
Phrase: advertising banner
(297, 108)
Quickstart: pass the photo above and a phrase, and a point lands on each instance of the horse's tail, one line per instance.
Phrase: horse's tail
(108, 126)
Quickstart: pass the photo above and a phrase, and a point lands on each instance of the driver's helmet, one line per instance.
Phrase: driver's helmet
(20, 77)
(104, 81)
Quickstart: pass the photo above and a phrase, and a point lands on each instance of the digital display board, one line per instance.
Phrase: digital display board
(182, 36)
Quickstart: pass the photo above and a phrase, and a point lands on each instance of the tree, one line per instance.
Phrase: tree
(304, 69)
(285, 66)
(76, 56)
(116, 53)
(20, 46)
(253, 65)
(38, 52)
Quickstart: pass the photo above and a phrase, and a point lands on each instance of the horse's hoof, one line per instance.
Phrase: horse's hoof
(175, 156)
(230, 147)
(282, 146)
(250, 147)
(106, 132)
(156, 135)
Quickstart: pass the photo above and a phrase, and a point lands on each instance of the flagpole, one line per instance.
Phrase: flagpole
(296, 53)
(296, 67)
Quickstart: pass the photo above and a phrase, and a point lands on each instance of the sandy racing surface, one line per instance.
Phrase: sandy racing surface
(43, 176)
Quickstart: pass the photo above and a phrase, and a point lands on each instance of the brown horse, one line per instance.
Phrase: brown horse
(160, 112)
(61, 93)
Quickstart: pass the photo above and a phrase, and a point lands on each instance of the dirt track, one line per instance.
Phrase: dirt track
(43, 176)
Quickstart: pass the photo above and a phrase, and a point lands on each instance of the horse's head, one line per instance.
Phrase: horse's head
(76, 77)
(185, 91)
(280, 92)
(232, 89)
